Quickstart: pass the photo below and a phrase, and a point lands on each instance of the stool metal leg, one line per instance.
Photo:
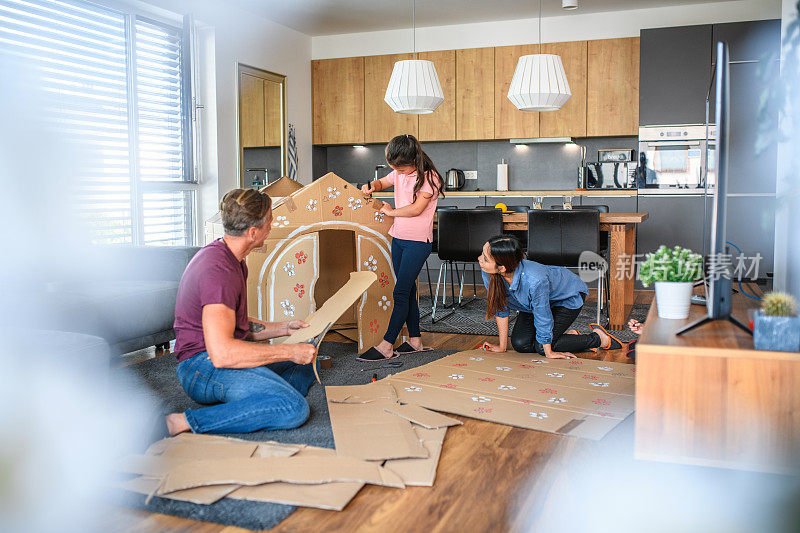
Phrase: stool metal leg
(442, 267)
(599, 294)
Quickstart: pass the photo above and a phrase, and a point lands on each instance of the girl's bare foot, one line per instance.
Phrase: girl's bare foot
(176, 423)
(415, 342)
(386, 349)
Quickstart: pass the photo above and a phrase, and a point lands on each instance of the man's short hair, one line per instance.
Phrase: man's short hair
(242, 208)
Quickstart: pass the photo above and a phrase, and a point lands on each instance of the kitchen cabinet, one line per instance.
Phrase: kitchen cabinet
(475, 94)
(612, 97)
(750, 225)
(615, 203)
(510, 122)
(251, 111)
(441, 124)
(273, 113)
(674, 75)
(748, 41)
(570, 120)
(674, 220)
(337, 94)
(381, 123)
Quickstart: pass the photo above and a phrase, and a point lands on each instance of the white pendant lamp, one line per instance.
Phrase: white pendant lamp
(414, 87)
(539, 82)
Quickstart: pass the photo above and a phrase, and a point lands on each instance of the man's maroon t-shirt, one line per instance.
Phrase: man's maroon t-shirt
(213, 276)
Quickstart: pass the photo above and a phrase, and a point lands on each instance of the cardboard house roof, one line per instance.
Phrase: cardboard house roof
(281, 187)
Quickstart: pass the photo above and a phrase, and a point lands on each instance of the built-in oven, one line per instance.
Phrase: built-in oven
(674, 156)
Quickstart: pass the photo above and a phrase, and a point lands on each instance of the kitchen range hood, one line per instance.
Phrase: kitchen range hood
(542, 140)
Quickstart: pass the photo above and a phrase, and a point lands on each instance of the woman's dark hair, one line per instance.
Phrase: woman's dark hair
(506, 251)
(405, 151)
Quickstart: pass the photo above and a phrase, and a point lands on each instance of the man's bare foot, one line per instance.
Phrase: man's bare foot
(573, 332)
(605, 340)
(176, 423)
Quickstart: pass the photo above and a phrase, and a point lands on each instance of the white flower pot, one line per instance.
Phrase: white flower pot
(673, 298)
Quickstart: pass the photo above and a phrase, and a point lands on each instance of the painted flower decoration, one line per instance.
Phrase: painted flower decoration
(459, 364)
(555, 374)
(354, 203)
(383, 279)
(371, 263)
(456, 376)
(540, 416)
(476, 358)
(448, 385)
(554, 399)
(300, 290)
(421, 375)
(337, 211)
(373, 326)
(596, 384)
(503, 368)
(539, 361)
(311, 205)
(289, 269)
(288, 308)
(413, 389)
(280, 222)
(334, 192)
(526, 366)
(548, 391)
(482, 410)
(590, 377)
(384, 303)
(379, 216)
(507, 387)
(576, 362)
(481, 399)
(601, 401)
(485, 379)
(301, 257)
(607, 368)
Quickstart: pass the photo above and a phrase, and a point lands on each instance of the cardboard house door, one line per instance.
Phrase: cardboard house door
(376, 305)
(292, 277)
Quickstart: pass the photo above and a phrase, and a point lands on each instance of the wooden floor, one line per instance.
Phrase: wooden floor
(491, 477)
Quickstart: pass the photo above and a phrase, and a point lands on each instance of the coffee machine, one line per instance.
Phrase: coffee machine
(614, 169)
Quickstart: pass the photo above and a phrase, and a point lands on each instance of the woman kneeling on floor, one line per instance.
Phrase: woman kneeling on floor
(548, 298)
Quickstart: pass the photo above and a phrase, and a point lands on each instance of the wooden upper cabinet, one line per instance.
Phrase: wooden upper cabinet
(380, 122)
(612, 105)
(441, 124)
(273, 113)
(570, 120)
(475, 94)
(251, 111)
(337, 97)
(510, 122)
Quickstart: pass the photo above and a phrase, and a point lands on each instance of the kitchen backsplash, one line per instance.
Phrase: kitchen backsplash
(530, 167)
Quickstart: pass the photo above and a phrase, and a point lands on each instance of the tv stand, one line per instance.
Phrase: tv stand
(707, 319)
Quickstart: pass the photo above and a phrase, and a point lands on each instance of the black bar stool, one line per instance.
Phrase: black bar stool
(462, 234)
(435, 250)
(558, 237)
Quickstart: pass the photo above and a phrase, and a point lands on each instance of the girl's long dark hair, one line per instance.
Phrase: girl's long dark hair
(506, 251)
(405, 151)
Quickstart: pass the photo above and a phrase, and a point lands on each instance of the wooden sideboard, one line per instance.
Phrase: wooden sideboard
(709, 398)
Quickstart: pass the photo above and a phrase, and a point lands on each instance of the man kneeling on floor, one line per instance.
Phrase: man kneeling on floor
(253, 386)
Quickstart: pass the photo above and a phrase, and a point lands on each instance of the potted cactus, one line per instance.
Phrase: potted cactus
(776, 326)
(674, 271)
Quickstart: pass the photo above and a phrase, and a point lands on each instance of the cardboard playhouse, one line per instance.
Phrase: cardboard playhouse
(320, 234)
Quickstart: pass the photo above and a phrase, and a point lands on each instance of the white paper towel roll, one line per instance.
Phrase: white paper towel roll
(502, 176)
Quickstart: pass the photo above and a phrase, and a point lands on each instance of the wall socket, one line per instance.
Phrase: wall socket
(471, 174)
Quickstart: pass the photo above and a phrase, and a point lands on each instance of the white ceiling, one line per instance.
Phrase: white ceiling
(332, 17)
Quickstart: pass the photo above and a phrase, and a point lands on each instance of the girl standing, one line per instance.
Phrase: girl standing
(417, 186)
(548, 298)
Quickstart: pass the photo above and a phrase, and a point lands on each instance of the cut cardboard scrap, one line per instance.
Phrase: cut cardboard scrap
(200, 495)
(327, 315)
(421, 472)
(581, 398)
(302, 470)
(421, 416)
(362, 427)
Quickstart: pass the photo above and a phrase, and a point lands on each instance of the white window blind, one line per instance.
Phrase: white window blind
(116, 90)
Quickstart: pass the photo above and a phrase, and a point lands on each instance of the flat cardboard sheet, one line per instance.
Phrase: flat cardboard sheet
(362, 427)
(423, 417)
(576, 397)
(302, 470)
(421, 472)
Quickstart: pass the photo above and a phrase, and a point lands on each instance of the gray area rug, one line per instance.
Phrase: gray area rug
(159, 379)
(471, 319)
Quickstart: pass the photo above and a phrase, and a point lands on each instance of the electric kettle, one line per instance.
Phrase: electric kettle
(454, 180)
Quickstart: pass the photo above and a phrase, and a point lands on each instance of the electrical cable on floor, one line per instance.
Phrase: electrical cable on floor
(740, 279)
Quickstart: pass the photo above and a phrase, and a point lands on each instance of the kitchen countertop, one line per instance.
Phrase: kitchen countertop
(573, 192)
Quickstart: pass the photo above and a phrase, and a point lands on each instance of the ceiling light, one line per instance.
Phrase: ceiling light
(539, 82)
(569, 4)
(414, 87)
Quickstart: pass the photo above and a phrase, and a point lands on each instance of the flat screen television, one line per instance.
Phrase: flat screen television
(720, 287)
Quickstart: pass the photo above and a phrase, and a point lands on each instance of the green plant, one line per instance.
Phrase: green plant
(671, 264)
(779, 304)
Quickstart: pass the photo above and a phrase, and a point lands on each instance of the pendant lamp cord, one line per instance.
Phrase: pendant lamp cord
(414, 25)
(540, 26)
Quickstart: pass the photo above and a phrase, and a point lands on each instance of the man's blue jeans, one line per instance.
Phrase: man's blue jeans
(247, 399)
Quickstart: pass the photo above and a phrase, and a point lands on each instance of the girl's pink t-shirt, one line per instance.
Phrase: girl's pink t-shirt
(420, 227)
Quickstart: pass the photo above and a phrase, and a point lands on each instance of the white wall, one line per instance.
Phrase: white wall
(572, 27)
(787, 215)
(229, 36)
